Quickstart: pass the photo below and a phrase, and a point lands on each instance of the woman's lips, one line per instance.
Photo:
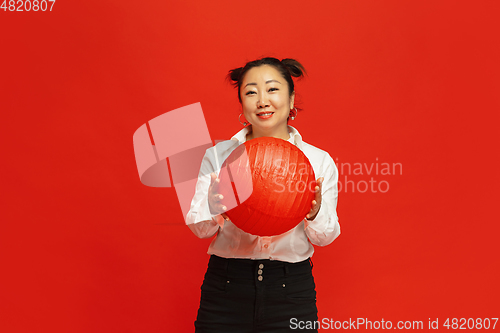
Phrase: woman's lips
(265, 115)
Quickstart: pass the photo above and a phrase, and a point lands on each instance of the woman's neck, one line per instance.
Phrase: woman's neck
(283, 134)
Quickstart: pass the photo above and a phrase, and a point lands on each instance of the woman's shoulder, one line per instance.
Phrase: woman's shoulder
(321, 161)
(223, 145)
(314, 151)
(222, 148)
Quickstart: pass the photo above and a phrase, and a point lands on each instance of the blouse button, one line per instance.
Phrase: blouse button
(261, 266)
(260, 278)
(259, 272)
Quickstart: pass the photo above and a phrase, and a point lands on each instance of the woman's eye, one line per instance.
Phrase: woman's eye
(273, 89)
(250, 92)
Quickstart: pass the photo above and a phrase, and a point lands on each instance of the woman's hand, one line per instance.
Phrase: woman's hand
(214, 197)
(316, 203)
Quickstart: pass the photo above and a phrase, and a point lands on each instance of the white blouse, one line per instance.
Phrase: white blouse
(292, 246)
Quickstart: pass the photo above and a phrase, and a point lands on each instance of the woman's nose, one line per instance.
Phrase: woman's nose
(263, 101)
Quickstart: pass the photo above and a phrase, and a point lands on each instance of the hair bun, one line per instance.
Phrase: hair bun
(294, 67)
(234, 74)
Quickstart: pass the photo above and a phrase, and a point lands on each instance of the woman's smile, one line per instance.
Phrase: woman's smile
(265, 115)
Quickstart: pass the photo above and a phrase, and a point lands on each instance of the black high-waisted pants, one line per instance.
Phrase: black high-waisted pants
(244, 295)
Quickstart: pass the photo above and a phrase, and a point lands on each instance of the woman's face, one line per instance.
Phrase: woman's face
(265, 100)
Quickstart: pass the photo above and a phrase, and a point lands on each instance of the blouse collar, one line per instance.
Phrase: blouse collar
(295, 137)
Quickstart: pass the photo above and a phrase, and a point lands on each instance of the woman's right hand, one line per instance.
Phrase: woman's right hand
(214, 197)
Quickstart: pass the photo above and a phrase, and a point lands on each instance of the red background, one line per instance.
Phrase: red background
(85, 247)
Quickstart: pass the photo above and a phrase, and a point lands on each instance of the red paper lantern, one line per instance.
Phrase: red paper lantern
(268, 185)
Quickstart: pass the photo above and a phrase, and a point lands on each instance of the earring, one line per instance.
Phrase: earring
(239, 119)
(293, 115)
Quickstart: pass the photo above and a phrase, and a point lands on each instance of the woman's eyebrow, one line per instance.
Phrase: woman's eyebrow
(254, 84)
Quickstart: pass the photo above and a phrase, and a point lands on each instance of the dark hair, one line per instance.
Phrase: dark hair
(286, 67)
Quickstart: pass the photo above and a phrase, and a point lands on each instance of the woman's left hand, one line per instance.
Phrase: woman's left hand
(316, 203)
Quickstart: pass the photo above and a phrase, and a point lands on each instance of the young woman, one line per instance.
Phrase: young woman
(253, 283)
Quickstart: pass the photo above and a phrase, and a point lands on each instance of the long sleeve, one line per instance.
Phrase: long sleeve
(199, 219)
(325, 227)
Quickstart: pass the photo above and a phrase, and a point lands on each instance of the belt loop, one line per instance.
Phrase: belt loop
(285, 280)
(226, 263)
